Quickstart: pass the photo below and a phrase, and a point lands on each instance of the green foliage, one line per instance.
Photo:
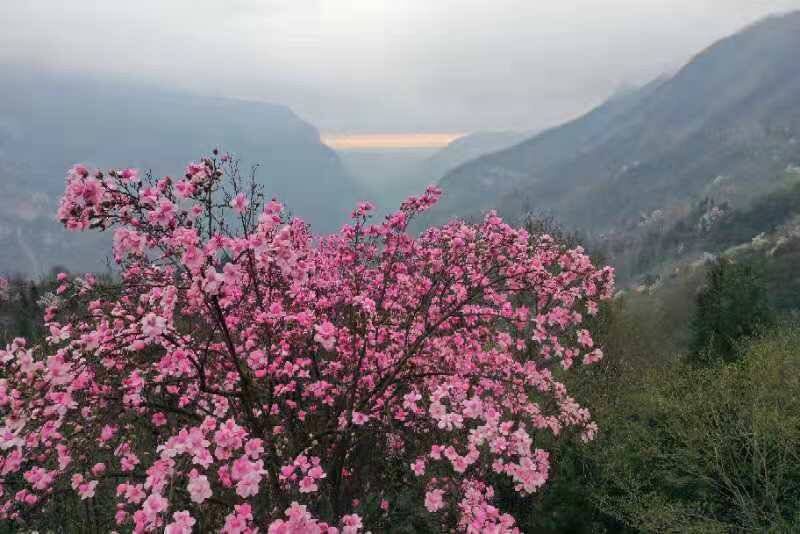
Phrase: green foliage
(732, 306)
(21, 313)
(693, 234)
(714, 449)
(681, 448)
(630, 331)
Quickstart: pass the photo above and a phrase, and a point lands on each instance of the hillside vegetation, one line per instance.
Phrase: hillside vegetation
(730, 118)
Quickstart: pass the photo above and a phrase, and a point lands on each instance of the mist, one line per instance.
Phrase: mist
(380, 65)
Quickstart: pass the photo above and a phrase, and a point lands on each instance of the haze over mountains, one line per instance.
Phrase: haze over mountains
(728, 123)
(388, 177)
(49, 122)
(725, 126)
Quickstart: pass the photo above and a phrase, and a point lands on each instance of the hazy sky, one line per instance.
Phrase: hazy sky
(381, 65)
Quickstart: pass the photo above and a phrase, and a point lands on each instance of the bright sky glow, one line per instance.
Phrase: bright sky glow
(390, 141)
(359, 66)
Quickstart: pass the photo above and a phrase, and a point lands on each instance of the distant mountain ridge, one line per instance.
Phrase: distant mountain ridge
(49, 122)
(470, 147)
(732, 112)
(390, 176)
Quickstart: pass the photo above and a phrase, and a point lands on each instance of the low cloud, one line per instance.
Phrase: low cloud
(381, 65)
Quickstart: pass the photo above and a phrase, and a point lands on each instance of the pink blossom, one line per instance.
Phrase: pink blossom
(360, 418)
(351, 524)
(199, 488)
(154, 505)
(130, 175)
(184, 189)
(308, 485)
(153, 325)
(238, 521)
(261, 354)
(418, 467)
(193, 259)
(326, 335)
(107, 432)
(86, 489)
(182, 523)
(254, 448)
(585, 338)
(239, 203)
(298, 521)
(433, 500)
(98, 469)
(593, 357)
(163, 214)
(159, 419)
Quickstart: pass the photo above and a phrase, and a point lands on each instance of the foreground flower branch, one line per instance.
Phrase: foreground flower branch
(246, 375)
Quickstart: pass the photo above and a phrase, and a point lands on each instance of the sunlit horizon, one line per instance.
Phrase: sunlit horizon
(390, 141)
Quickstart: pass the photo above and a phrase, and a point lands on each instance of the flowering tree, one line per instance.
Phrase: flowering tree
(247, 376)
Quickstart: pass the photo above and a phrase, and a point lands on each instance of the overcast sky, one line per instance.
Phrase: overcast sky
(357, 66)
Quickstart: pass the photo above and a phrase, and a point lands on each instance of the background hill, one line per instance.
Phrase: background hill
(726, 124)
(49, 122)
(387, 176)
(390, 176)
(470, 147)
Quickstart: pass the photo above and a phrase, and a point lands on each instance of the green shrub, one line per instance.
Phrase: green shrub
(732, 306)
(709, 449)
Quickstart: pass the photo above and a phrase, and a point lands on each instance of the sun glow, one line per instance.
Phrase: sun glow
(389, 141)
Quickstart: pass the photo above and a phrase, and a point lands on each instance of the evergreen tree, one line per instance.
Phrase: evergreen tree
(732, 306)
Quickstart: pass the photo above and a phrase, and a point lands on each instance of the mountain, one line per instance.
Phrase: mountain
(390, 176)
(469, 147)
(727, 124)
(49, 122)
(764, 234)
(707, 228)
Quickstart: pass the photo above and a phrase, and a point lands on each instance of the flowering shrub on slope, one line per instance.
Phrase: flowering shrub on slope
(247, 376)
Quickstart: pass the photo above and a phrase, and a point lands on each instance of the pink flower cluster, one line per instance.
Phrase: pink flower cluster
(248, 375)
(305, 470)
(300, 521)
